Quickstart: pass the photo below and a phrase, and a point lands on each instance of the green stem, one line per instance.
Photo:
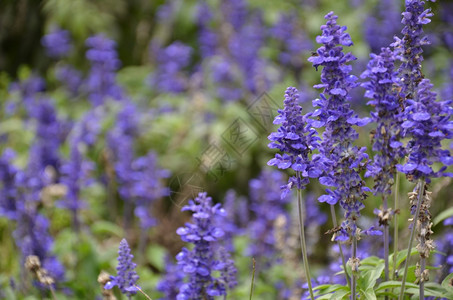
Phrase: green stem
(141, 291)
(253, 279)
(343, 261)
(386, 242)
(303, 245)
(421, 183)
(354, 276)
(395, 222)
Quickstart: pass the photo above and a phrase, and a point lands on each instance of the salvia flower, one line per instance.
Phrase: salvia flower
(101, 83)
(8, 188)
(409, 48)
(295, 139)
(428, 123)
(70, 78)
(207, 38)
(32, 231)
(342, 160)
(171, 281)
(382, 24)
(206, 256)
(57, 43)
(235, 12)
(267, 205)
(148, 187)
(126, 278)
(388, 116)
(292, 39)
(75, 174)
(171, 62)
(49, 135)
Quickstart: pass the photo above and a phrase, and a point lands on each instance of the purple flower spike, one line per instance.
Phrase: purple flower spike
(388, 115)
(428, 123)
(342, 162)
(57, 43)
(296, 139)
(208, 254)
(101, 83)
(409, 49)
(127, 277)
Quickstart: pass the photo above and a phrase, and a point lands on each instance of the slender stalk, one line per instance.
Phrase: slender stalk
(253, 279)
(343, 261)
(354, 277)
(422, 281)
(303, 245)
(395, 225)
(386, 242)
(411, 239)
(52, 291)
(141, 291)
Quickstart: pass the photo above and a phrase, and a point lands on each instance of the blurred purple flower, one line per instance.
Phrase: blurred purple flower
(171, 61)
(70, 77)
(267, 205)
(206, 255)
(171, 281)
(57, 43)
(382, 24)
(101, 82)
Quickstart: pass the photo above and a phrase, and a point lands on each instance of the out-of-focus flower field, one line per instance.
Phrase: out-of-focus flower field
(166, 130)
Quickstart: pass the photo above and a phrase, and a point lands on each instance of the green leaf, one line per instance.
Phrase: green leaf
(155, 255)
(428, 292)
(401, 256)
(443, 215)
(371, 261)
(329, 288)
(394, 284)
(367, 279)
(339, 295)
(368, 294)
(104, 227)
(447, 283)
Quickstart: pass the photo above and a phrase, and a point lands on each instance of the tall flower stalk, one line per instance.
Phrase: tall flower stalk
(342, 161)
(126, 278)
(428, 123)
(387, 114)
(296, 139)
(207, 255)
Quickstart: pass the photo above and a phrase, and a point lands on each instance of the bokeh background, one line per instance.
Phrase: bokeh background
(124, 110)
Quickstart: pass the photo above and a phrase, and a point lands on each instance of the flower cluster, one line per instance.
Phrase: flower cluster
(126, 278)
(148, 187)
(8, 189)
(101, 82)
(388, 115)
(267, 205)
(341, 159)
(57, 43)
(296, 139)
(409, 48)
(75, 174)
(169, 76)
(292, 39)
(427, 125)
(206, 255)
(171, 281)
(382, 25)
